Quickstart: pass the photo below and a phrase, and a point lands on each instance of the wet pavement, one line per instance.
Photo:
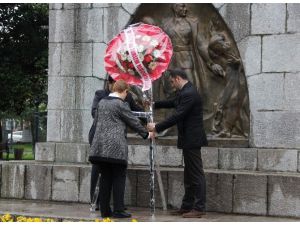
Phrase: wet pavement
(76, 212)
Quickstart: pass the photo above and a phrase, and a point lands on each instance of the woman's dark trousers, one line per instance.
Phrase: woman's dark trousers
(194, 181)
(113, 177)
(94, 178)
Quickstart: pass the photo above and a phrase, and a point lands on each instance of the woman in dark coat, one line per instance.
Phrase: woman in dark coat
(109, 149)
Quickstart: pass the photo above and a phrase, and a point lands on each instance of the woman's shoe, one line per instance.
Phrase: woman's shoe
(121, 214)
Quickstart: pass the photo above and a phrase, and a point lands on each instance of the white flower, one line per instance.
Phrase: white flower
(156, 53)
(140, 48)
(123, 57)
(154, 43)
(152, 65)
(130, 71)
(141, 56)
(138, 36)
(146, 38)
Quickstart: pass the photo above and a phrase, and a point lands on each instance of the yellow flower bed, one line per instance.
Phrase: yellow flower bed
(10, 218)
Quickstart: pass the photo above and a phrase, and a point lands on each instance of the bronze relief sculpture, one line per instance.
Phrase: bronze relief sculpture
(204, 47)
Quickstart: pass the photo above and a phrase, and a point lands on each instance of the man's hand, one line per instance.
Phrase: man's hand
(151, 127)
(146, 103)
(217, 69)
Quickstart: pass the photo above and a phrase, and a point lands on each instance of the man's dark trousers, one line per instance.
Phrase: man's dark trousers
(194, 181)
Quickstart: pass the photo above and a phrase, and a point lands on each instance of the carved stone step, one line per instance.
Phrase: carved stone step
(246, 192)
(253, 159)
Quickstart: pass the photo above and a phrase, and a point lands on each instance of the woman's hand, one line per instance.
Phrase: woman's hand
(151, 135)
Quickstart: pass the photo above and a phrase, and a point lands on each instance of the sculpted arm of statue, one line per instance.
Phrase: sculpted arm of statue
(215, 68)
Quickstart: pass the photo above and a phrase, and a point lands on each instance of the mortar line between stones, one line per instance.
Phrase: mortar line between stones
(257, 160)
(92, 58)
(286, 18)
(261, 53)
(298, 161)
(283, 87)
(78, 184)
(24, 181)
(267, 197)
(250, 27)
(51, 183)
(232, 194)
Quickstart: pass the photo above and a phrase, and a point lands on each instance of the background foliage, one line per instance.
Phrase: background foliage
(23, 58)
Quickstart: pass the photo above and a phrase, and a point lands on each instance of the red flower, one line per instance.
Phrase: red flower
(124, 64)
(148, 58)
(130, 65)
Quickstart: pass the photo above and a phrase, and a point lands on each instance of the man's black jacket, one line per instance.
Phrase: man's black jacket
(188, 116)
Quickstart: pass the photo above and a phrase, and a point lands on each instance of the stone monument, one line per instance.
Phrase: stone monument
(257, 46)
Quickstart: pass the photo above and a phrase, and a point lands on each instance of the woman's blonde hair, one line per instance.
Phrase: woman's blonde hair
(120, 86)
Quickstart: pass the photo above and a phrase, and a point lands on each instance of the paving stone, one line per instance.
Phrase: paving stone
(61, 94)
(54, 59)
(65, 183)
(283, 200)
(275, 129)
(76, 125)
(55, 6)
(219, 192)
(210, 157)
(266, 91)
(38, 182)
(138, 155)
(76, 59)
(45, 151)
(238, 158)
(53, 125)
(143, 189)
(268, 18)
(98, 60)
(219, 5)
(61, 25)
(85, 88)
(86, 5)
(298, 161)
(120, 18)
(84, 184)
(71, 6)
(250, 51)
(250, 194)
(277, 160)
(90, 25)
(175, 189)
(166, 155)
(292, 91)
(12, 181)
(284, 50)
(232, 13)
(71, 152)
(169, 156)
(130, 188)
(293, 18)
(130, 7)
(105, 5)
(72, 129)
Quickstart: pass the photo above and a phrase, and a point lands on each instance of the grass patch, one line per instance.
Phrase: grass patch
(27, 154)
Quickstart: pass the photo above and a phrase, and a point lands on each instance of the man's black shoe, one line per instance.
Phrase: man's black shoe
(121, 214)
(104, 215)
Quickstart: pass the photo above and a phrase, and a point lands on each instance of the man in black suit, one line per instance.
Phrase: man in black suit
(191, 137)
(99, 94)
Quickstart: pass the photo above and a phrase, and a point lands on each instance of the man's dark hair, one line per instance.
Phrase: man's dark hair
(177, 72)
